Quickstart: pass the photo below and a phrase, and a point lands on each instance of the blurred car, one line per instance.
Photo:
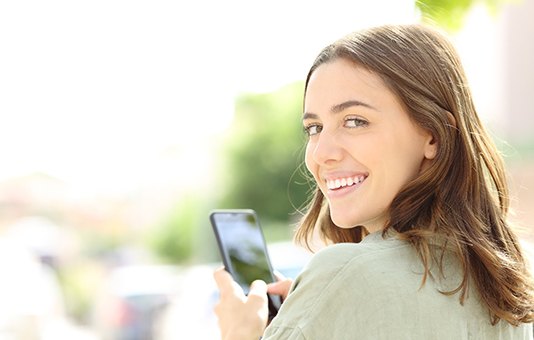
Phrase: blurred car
(133, 299)
(32, 304)
(288, 258)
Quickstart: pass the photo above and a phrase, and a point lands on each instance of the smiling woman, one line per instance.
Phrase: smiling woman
(412, 198)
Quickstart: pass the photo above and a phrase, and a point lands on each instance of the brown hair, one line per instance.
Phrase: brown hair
(463, 195)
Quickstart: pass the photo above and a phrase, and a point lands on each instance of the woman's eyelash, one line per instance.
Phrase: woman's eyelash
(350, 122)
(354, 122)
(312, 129)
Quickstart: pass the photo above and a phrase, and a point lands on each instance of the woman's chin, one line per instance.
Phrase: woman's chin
(371, 224)
(343, 223)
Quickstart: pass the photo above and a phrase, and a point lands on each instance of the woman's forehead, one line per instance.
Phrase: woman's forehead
(341, 80)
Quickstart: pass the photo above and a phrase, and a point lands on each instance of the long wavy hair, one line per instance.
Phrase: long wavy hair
(463, 196)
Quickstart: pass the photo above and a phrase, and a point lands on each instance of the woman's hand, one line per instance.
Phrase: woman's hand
(240, 317)
(280, 287)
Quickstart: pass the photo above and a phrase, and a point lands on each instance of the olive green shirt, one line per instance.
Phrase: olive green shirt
(372, 290)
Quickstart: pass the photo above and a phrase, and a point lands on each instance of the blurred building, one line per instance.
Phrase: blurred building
(518, 55)
(517, 48)
(497, 51)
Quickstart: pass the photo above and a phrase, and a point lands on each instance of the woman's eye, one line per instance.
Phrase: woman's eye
(312, 129)
(355, 122)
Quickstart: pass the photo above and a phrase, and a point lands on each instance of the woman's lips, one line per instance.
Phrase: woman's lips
(344, 185)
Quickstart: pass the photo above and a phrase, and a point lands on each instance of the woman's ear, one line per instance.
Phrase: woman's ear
(431, 147)
(431, 142)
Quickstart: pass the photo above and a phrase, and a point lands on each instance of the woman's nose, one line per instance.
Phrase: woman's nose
(327, 148)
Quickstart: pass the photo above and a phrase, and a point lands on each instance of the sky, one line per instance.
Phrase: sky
(108, 94)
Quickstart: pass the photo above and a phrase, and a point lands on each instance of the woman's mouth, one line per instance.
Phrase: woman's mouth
(346, 182)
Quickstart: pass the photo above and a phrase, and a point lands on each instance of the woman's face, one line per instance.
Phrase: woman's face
(363, 147)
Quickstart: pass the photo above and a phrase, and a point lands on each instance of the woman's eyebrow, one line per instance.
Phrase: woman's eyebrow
(339, 108)
(308, 115)
(349, 103)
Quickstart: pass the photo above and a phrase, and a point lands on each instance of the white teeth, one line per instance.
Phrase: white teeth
(343, 182)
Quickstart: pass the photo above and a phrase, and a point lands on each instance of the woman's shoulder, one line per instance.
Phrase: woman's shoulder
(346, 259)
(339, 277)
(375, 246)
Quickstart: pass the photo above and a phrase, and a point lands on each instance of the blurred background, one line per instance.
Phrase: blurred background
(123, 123)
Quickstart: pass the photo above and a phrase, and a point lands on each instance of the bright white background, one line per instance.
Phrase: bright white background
(109, 95)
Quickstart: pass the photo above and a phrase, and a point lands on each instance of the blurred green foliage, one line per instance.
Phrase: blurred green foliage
(173, 239)
(263, 155)
(78, 283)
(450, 14)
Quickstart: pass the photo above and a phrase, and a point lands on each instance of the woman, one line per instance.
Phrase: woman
(411, 194)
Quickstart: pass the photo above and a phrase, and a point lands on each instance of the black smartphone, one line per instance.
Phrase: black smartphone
(243, 249)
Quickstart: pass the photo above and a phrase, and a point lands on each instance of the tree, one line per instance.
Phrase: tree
(450, 14)
(263, 155)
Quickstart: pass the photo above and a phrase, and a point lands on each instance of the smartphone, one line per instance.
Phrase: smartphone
(243, 250)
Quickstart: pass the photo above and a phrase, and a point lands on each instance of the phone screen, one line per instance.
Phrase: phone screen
(243, 248)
